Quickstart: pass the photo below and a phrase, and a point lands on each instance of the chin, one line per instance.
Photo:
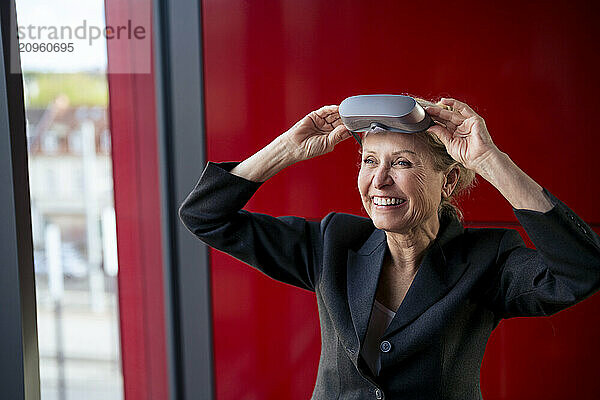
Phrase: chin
(400, 223)
(389, 225)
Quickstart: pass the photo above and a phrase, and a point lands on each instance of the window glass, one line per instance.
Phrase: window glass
(73, 217)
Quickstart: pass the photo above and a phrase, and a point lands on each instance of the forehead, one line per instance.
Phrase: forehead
(384, 142)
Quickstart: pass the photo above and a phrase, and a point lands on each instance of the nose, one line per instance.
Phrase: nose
(382, 177)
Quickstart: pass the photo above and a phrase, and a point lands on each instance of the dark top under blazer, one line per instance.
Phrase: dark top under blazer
(468, 281)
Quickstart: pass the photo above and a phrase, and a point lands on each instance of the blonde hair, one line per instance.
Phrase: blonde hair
(442, 161)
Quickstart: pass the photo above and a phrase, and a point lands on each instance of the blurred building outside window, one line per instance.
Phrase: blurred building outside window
(74, 231)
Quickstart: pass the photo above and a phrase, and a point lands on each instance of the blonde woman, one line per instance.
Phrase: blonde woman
(407, 297)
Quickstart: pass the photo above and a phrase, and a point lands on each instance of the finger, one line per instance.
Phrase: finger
(463, 129)
(466, 128)
(337, 135)
(320, 124)
(327, 110)
(460, 107)
(442, 133)
(334, 119)
(329, 115)
(433, 110)
(451, 127)
(446, 124)
(446, 115)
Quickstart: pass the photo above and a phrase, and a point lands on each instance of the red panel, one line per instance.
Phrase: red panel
(137, 206)
(529, 68)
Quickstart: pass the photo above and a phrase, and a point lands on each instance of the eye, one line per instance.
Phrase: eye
(368, 160)
(402, 163)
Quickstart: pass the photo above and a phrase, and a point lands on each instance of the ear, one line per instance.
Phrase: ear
(450, 181)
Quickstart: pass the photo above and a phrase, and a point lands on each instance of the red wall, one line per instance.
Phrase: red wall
(530, 69)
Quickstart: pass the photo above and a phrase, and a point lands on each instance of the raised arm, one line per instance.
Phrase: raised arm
(315, 134)
(565, 267)
(468, 141)
(287, 249)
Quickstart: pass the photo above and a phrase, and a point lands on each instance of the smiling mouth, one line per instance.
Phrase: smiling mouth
(387, 201)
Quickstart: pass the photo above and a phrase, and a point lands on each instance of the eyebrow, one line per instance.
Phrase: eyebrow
(394, 153)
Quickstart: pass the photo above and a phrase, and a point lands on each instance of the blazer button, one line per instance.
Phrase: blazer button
(378, 394)
(385, 346)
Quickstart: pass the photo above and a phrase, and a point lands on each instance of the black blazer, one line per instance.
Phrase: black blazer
(468, 281)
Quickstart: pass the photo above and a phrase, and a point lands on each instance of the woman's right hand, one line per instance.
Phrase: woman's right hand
(316, 134)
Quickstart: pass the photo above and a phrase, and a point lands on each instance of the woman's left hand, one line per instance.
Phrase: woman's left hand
(463, 132)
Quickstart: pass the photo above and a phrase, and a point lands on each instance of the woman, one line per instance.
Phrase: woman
(407, 298)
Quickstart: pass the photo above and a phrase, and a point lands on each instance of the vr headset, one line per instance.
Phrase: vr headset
(395, 113)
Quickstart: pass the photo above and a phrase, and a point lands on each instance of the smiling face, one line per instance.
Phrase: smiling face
(398, 184)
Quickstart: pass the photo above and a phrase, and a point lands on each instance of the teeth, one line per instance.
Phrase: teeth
(387, 201)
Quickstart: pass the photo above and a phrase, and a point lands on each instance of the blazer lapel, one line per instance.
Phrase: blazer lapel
(440, 269)
(363, 269)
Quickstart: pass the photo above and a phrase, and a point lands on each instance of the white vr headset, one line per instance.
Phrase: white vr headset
(395, 113)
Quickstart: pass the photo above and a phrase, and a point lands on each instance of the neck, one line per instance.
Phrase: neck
(406, 249)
